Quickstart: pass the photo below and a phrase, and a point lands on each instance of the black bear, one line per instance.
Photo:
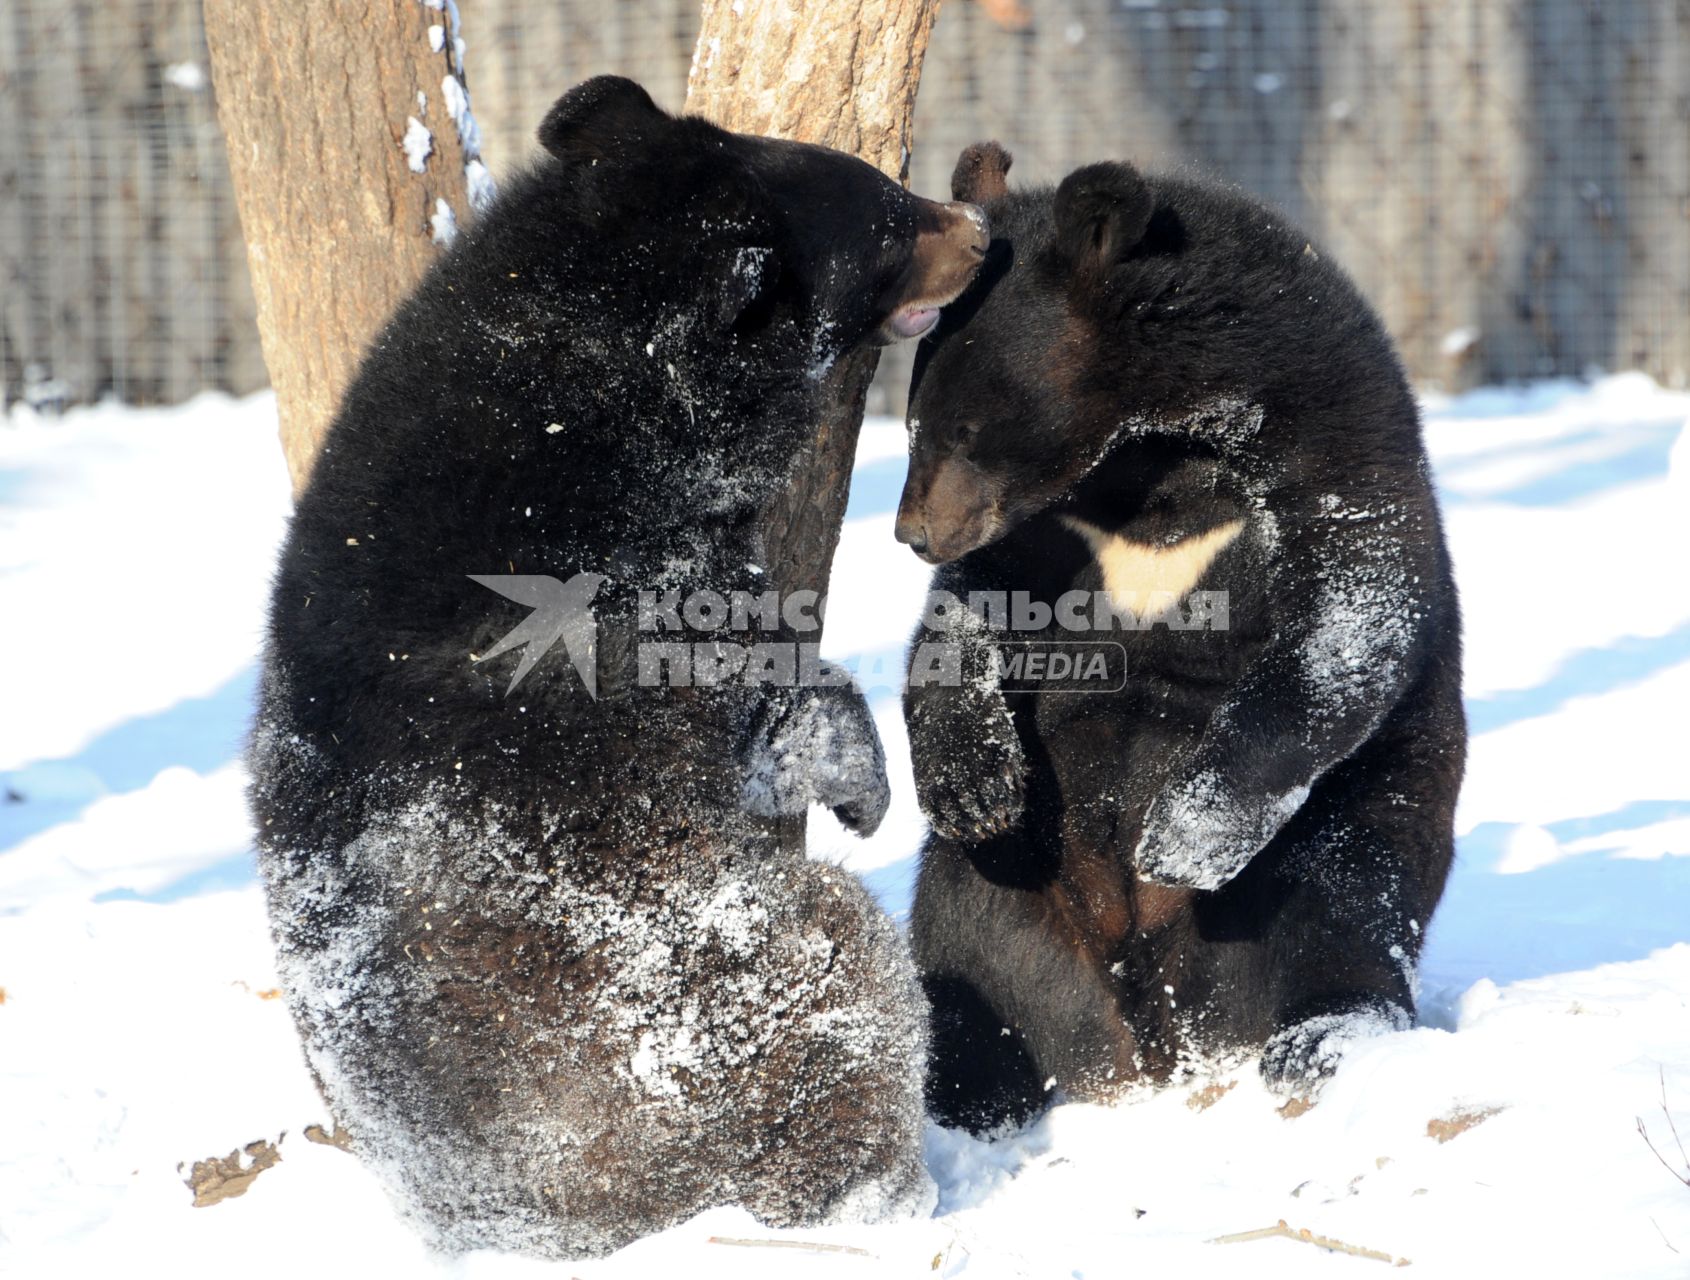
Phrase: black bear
(1169, 454)
(548, 963)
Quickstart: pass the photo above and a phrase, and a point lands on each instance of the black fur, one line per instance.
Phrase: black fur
(1119, 882)
(548, 967)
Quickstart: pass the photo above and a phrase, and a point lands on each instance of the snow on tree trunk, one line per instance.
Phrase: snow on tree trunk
(354, 156)
(843, 75)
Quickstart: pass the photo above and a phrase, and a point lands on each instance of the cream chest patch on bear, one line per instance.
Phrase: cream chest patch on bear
(1149, 578)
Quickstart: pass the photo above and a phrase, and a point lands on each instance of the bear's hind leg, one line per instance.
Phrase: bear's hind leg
(980, 1076)
(1020, 1007)
(1356, 876)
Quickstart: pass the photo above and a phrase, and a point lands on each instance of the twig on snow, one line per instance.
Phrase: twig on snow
(1671, 1123)
(1303, 1234)
(1668, 1243)
(812, 1246)
(1643, 1132)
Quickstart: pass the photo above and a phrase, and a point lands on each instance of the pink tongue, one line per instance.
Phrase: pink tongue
(914, 323)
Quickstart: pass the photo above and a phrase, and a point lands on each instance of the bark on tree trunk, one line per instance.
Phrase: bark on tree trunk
(845, 76)
(353, 156)
(842, 75)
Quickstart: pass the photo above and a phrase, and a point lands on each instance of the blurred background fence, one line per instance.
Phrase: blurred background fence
(1508, 180)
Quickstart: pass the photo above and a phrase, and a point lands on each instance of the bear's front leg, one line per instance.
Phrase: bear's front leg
(1317, 691)
(970, 770)
(817, 745)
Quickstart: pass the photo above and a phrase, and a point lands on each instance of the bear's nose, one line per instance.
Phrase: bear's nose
(912, 535)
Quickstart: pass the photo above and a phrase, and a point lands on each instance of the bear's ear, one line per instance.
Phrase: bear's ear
(598, 117)
(1102, 212)
(981, 173)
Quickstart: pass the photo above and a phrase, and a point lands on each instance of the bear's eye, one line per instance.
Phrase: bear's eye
(967, 433)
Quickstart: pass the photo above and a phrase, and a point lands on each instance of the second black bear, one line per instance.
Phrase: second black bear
(1159, 398)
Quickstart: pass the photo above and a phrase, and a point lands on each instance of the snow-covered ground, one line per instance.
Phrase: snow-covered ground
(139, 1027)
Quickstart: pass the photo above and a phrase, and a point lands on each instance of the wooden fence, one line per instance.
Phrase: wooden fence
(122, 270)
(1508, 180)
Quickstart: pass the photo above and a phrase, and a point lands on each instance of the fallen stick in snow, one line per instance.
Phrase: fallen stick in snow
(813, 1246)
(1308, 1237)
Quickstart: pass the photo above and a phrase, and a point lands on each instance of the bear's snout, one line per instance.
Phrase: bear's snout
(947, 510)
(950, 245)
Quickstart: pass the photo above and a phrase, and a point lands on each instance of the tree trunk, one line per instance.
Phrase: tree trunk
(353, 156)
(845, 76)
(842, 75)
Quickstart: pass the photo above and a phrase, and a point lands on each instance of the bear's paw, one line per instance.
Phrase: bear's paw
(1201, 833)
(1299, 1057)
(975, 794)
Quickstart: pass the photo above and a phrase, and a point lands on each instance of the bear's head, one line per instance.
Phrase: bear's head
(1015, 396)
(771, 244)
